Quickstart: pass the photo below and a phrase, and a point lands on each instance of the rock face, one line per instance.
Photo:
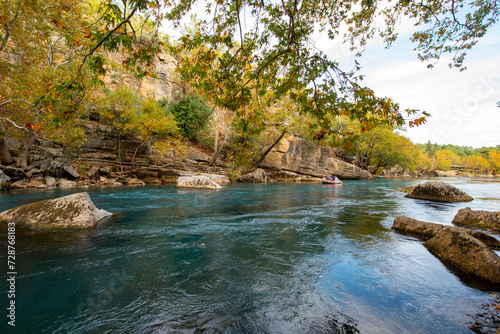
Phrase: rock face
(198, 181)
(438, 191)
(467, 253)
(72, 211)
(257, 176)
(4, 181)
(428, 230)
(294, 154)
(166, 84)
(480, 219)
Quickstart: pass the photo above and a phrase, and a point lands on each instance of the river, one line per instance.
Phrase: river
(250, 258)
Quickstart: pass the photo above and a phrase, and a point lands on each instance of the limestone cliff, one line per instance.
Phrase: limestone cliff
(166, 84)
(297, 155)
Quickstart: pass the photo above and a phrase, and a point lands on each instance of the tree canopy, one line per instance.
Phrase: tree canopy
(266, 45)
(236, 52)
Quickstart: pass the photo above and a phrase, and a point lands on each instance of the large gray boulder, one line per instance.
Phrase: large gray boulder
(438, 191)
(14, 173)
(416, 227)
(198, 181)
(428, 230)
(257, 176)
(58, 170)
(478, 219)
(4, 181)
(72, 211)
(466, 252)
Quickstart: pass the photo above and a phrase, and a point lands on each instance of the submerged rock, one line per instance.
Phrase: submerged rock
(72, 211)
(467, 253)
(478, 219)
(438, 191)
(198, 181)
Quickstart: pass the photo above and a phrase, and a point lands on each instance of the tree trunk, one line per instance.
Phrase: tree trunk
(135, 153)
(120, 152)
(264, 155)
(215, 156)
(22, 159)
(5, 157)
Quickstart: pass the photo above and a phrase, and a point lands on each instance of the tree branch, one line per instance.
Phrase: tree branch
(8, 29)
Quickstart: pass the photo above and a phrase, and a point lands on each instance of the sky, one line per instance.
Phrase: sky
(462, 104)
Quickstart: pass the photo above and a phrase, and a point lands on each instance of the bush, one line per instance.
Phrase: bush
(191, 114)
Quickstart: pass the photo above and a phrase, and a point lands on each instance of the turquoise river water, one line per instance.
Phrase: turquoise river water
(275, 258)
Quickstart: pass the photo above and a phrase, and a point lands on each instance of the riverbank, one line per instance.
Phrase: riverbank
(109, 159)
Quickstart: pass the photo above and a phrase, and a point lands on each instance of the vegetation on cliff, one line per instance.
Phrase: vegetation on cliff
(251, 71)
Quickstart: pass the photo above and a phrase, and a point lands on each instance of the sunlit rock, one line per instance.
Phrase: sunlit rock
(416, 227)
(198, 181)
(72, 211)
(50, 181)
(478, 219)
(66, 184)
(257, 176)
(428, 230)
(466, 252)
(408, 189)
(438, 191)
(298, 155)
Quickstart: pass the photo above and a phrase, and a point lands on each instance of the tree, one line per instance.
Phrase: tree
(130, 113)
(35, 54)
(191, 114)
(446, 159)
(477, 163)
(381, 147)
(494, 160)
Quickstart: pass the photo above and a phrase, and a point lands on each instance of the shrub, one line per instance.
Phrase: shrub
(191, 115)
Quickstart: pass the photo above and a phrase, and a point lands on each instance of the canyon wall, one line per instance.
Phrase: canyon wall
(297, 155)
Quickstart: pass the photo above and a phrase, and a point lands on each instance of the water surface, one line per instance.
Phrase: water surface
(276, 258)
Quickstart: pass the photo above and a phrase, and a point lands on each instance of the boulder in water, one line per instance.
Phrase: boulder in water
(72, 211)
(257, 176)
(198, 181)
(478, 219)
(466, 252)
(427, 230)
(438, 191)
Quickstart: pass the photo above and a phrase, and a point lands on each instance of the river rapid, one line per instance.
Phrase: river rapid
(250, 258)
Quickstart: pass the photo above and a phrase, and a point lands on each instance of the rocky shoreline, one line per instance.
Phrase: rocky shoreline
(109, 159)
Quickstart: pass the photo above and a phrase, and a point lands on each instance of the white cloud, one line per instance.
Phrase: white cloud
(462, 103)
